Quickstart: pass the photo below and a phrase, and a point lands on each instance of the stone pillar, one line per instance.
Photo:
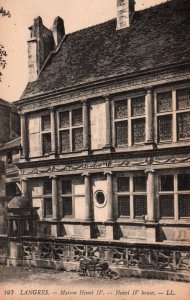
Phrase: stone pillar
(55, 226)
(85, 125)
(15, 254)
(109, 196)
(149, 117)
(150, 196)
(53, 132)
(150, 221)
(108, 123)
(109, 223)
(24, 187)
(88, 208)
(55, 197)
(24, 151)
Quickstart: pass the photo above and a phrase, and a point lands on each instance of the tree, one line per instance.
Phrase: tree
(3, 53)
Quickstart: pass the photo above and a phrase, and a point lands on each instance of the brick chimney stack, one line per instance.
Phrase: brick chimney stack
(42, 41)
(125, 12)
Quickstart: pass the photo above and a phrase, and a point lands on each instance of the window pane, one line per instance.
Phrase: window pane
(138, 106)
(77, 139)
(123, 184)
(140, 206)
(47, 187)
(121, 109)
(183, 99)
(64, 119)
(164, 101)
(184, 182)
(67, 206)
(124, 205)
(48, 207)
(165, 128)
(46, 138)
(77, 117)
(139, 184)
(138, 131)
(65, 141)
(183, 125)
(46, 122)
(67, 187)
(166, 206)
(121, 129)
(184, 206)
(166, 183)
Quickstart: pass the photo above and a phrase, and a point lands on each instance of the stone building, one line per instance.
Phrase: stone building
(105, 127)
(9, 155)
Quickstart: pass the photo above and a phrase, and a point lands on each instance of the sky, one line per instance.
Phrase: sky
(14, 33)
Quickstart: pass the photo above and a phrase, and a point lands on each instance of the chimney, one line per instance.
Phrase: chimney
(58, 30)
(40, 44)
(125, 12)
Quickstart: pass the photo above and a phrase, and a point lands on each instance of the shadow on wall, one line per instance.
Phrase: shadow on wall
(3, 216)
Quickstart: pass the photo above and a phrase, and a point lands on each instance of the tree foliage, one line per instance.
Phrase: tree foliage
(3, 53)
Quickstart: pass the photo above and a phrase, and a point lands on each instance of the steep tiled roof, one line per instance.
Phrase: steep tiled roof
(10, 105)
(158, 36)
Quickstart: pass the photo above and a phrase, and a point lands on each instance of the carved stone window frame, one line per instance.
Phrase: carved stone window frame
(71, 128)
(174, 114)
(176, 193)
(130, 118)
(131, 193)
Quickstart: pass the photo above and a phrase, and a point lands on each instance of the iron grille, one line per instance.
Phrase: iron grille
(77, 117)
(121, 133)
(138, 131)
(65, 141)
(77, 139)
(184, 206)
(165, 128)
(140, 206)
(166, 206)
(183, 99)
(124, 205)
(121, 109)
(138, 106)
(164, 102)
(183, 125)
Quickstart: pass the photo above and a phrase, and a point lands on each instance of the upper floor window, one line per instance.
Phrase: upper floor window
(129, 121)
(132, 196)
(174, 196)
(46, 134)
(71, 130)
(173, 124)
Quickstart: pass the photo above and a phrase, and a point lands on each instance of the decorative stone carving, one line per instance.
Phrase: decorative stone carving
(126, 85)
(174, 159)
(157, 257)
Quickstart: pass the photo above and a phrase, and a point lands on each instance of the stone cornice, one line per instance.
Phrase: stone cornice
(108, 166)
(109, 86)
(144, 158)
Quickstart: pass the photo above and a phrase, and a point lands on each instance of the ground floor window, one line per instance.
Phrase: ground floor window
(72, 197)
(47, 198)
(132, 196)
(174, 196)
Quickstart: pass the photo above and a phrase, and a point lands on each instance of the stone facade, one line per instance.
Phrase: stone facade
(108, 160)
(9, 155)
